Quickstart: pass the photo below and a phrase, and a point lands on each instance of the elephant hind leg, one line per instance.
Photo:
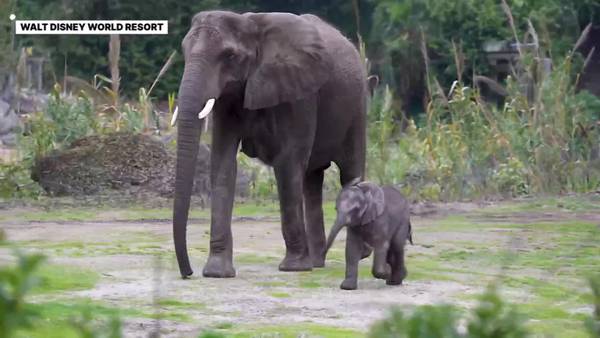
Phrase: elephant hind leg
(313, 215)
(396, 260)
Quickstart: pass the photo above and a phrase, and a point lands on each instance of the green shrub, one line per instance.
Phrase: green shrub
(17, 315)
(39, 138)
(72, 119)
(491, 318)
(133, 119)
(16, 182)
(426, 321)
(466, 148)
(380, 131)
(15, 283)
(263, 186)
(593, 322)
(87, 326)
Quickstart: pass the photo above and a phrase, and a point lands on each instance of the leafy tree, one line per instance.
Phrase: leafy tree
(391, 28)
(143, 56)
(455, 32)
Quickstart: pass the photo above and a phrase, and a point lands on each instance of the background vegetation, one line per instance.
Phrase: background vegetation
(392, 30)
(431, 130)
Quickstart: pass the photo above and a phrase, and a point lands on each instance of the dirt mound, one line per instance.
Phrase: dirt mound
(119, 161)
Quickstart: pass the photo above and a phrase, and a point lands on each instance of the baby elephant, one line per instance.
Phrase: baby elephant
(379, 217)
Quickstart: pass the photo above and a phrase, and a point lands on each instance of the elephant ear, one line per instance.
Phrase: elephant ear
(375, 201)
(292, 61)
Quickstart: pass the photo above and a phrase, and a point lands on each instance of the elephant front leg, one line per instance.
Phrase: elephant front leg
(223, 171)
(290, 175)
(315, 229)
(353, 254)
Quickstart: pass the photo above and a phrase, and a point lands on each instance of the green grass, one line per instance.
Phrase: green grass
(270, 284)
(576, 203)
(451, 223)
(332, 275)
(173, 315)
(128, 246)
(55, 318)
(279, 294)
(548, 264)
(224, 326)
(174, 303)
(422, 268)
(579, 203)
(130, 213)
(256, 210)
(95, 214)
(329, 213)
(308, 330)
(253, 259)
(58, 278)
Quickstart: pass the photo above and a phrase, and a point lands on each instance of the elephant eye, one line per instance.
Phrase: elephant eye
(229, 55)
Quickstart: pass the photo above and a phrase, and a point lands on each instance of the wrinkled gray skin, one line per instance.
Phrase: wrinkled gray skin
(292, 91)
(379, 217)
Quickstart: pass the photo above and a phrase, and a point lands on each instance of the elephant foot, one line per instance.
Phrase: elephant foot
(383, 273)
(296, 263)
(396, 278)
(393, 282)
(348, 284)
(318, 262)
(218, 266)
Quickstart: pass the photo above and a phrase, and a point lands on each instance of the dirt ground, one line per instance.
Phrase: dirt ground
(131, 278)
(137, 269)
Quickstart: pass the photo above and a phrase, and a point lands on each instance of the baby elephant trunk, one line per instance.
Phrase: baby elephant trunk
(332, 234)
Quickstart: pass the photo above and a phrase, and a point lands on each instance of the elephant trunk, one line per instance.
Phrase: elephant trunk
(332, 234)
(192, 109)
(188, 136)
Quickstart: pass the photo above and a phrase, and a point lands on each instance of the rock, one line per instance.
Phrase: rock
(121, 161)
(9, 124)
(31, 102)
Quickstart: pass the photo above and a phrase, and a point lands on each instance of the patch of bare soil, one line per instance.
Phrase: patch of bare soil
(259, 295)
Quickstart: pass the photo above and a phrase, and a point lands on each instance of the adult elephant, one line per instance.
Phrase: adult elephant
(292, 90)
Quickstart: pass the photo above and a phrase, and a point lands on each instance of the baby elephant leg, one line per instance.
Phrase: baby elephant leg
(396, 260)
(353, 255)
(381, 268)
(366, 250)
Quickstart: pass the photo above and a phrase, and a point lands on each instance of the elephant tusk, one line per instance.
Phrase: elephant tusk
(174, 118)
(207, 109)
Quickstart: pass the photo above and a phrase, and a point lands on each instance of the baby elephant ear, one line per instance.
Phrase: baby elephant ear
(375, 201)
